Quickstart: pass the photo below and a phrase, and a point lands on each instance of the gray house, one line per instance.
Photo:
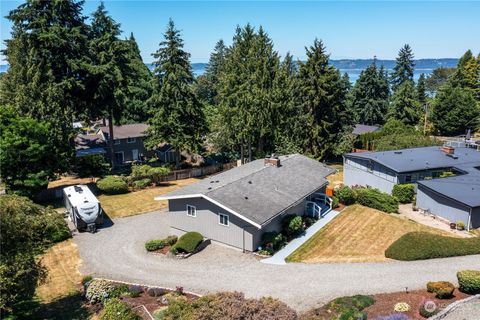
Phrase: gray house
(452, 198)
(237, 206)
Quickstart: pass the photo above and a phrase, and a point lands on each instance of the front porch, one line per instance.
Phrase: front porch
(317, 205)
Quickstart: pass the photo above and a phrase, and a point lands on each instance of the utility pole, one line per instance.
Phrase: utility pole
(425, 108)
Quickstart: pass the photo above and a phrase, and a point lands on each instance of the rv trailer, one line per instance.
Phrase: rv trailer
(83, 207)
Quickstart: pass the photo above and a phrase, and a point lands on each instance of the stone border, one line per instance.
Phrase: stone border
(442, 314)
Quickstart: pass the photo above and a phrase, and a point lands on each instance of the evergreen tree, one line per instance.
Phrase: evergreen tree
(45, 80)
(110, 71)
(370, 96)
(404, 66)
(245, 94)
(454, 111)
(177, 115)
(139, 87)
(405, 106)
(438, 78)
(322, 94)
(467, 74)
(213, 69)
(421, 90)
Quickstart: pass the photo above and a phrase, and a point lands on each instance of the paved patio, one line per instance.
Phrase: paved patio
(279, 257)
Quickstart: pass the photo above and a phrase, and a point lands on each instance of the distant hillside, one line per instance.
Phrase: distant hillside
(344, 64)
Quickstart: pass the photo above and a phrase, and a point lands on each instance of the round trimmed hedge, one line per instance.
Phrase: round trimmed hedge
(469, 281)
(112, 185)
(188, 242)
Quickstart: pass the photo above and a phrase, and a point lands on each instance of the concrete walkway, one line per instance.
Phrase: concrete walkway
(279, 257)
(118, 252)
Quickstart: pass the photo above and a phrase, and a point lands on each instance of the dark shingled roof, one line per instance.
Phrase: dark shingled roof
(363, 128)
(259, 192)
(127, 130)
(464, 188)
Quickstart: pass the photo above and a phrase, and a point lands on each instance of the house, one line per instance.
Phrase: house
(363, 128)
(455, 198)
(89, 144)
(237, 206)
(128, 142)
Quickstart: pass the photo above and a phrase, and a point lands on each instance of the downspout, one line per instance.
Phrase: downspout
(469, 219)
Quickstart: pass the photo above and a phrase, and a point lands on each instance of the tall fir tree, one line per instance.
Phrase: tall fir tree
(322, 93)
(245, 85)
(437, 79)
(404, 67)
(370, 96)
(405, 106)
(139, 87)
(467, 74)
(422, 90)
(45, 80)
(110, 71)
(213, 69)
(177, 114)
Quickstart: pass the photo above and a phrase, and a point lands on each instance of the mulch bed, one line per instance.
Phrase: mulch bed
(340, 207)
(164, 250)
(151, 303)
(385, 302)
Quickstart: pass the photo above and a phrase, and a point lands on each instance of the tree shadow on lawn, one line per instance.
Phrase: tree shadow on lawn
(70, 307)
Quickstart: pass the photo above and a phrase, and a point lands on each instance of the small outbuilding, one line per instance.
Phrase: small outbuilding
(237, 206)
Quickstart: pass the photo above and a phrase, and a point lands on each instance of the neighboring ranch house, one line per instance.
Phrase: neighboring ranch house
(452, 198)
(363, 128)
(237, 206)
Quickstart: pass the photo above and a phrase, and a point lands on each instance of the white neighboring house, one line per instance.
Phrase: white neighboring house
(83, 207)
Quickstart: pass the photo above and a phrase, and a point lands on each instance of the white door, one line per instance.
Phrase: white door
(135, 154)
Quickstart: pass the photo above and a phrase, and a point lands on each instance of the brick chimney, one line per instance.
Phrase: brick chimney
(448, 149)
(272, 161)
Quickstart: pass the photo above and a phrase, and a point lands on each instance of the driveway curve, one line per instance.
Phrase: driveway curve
(118, 253)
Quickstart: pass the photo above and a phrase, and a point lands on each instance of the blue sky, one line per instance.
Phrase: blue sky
(349, 29)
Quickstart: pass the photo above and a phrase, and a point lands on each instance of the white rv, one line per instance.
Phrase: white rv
(83, 207)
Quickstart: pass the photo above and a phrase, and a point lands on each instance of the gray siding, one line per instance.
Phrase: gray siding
(239, 233)
(360, 172)
(207, 223)
(127, 149)
(441, 206)
(475, 218)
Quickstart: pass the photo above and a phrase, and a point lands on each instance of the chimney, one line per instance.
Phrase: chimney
(272, 161)
(448, 149)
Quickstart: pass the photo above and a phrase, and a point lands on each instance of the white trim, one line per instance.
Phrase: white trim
(189, 196)
(194, 215)
(220, 219)
(132, 141)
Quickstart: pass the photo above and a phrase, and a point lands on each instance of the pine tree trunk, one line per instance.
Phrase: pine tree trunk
(249, 151)
(110, 139)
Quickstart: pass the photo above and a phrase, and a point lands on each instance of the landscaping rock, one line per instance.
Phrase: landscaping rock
(156, 292)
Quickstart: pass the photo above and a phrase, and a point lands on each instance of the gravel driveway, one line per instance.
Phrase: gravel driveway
(117, 252)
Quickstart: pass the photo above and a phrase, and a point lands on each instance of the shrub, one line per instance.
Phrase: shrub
(427, 309)
(135, 291)
(92, 165)
(99, 290)
(142, 184)
(145, 171)
(335, 202)
(443, 289)
(404, 193)
(346, 195)
(153, 245)
(292, 225)
(376, 199)
(188, 242)
(273, 240)
(424, 245)
(308, 221)
(460, 225)
(86, 280)
(401, 307)
(115, 309)
(112, 185)
(395, 316)
(228, 305)
(469, 281)
(351, 307)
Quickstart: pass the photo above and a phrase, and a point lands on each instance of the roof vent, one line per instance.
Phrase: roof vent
(246, 198)
(249, 182)
(398, 152)
(78, 189)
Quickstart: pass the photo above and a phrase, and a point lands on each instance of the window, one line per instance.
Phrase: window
(116, 141)
(130, 140)
(191, 211)
(223, 219)
(119, 157)
(408, 179)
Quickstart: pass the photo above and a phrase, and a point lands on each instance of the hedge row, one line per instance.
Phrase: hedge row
(368, 197)
(424, 245)
(153, 245)
(113, 185)
(405, 193)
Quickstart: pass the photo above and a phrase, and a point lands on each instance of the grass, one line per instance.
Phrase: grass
(62, 262)
(69, 181)
(358, 234)
(422, 245)
(336, 179)
(141, 201)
